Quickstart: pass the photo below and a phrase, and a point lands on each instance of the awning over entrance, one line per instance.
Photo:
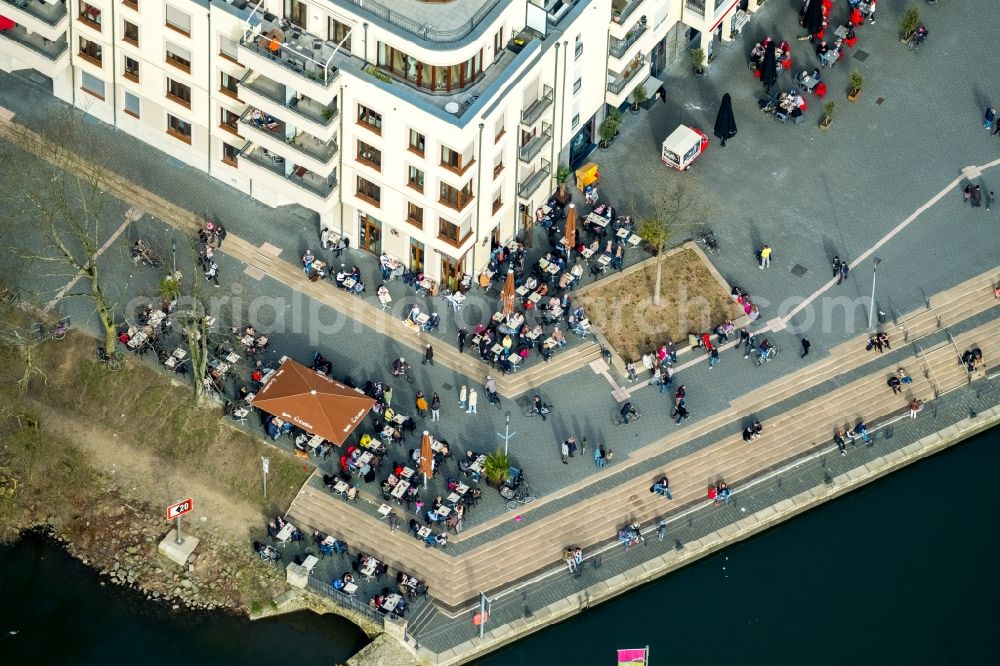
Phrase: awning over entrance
(313, 402)
(651, 85)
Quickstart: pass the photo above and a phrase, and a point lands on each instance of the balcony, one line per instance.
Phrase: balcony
(272, 97)
(622, 9)
(531, 149)
(313, 184)
(276, 136)
(275, 52)
(537, 108)
(49, 57)
(47, 19)
(618, 48)
(529, 185)
(618, 82)
(696, 6)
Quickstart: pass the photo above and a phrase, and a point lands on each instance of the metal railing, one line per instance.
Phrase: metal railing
(622, 46)
(325, 75)
(250, 82)
(48, 13)
(627, 10)
(529, 150)
(532, 182)
(423, 30)
(537, 108)
(347, 601)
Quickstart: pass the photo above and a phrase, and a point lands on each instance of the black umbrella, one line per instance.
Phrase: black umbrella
(725, 123)
(769, 67)
(813, 20)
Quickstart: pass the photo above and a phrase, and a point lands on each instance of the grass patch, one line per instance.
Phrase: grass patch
(691, 301)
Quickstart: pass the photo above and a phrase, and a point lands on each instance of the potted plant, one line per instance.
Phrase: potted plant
(562, 175)
(327, 114)
(639, 95)
(827, 115)
(607, 131)
(496, 467)
(911, 19)
(857, 81)
(615, 115)
(616, 16)
(697, 56)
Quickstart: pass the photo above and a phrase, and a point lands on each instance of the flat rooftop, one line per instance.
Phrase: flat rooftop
(436, 21)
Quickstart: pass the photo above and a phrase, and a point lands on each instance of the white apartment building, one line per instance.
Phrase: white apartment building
(422, 128)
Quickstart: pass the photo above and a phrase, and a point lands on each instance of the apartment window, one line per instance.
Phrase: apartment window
(230, 86)
(179, 93)
(416, 179)
(131, 69)
(415, 215)
(90, 15)
(230, 154)
(178, 20)
(230, 121)
(370, 155)
(131, 34)
(228, 48)
(92, 84)
(417, 142)
(179, 57)
(457, 199)
(369, 119)
(577, 84)
(437, 78)
(576, 121)
(454, 160)
(90, 51)
(337, 32)
(497, 201)
(369, 192)
(498, 130)
(131, 104)
(131, 4)
(498, 165)
(449, 231)
(579, 46)
(179, 129)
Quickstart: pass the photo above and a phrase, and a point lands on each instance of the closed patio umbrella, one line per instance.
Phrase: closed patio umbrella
(507, 295)
(571, 225)
(6, 23)
(426, 457)
(813, 19)
(725, 123)
(769, 68)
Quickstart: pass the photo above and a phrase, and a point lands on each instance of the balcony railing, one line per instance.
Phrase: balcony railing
(537, 108)
(48, 48)
(529, 150)
(310, 146)
(624, 9)
(618, 48)
(423, 30)
(301, 176)
(49, 13)
(300, 52)
(305, 107)
(618, 83)
(275, 128)
(697, 6)
(528, 186)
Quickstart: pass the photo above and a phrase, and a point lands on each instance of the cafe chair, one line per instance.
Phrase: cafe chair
(820, 90)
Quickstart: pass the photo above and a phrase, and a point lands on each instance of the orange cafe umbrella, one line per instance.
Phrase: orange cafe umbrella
(571, 225)
(313, 402)
(426, 457)
(507, 295)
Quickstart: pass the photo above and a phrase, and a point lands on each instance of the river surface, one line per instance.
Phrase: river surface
(902, 571)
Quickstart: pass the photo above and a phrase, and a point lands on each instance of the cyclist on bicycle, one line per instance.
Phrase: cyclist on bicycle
(627, 411)
(491, 389)
(538, 407)
(764, 349)
(400, 367)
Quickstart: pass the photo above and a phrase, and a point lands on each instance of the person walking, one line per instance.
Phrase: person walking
(844, 270)
(212, 274)
(765, 257)
(461, 397)
(473, 399)
(463, 333)
(421, 404)
(744, 339)
(836, 265)
(682, 413)
(599, 456)
(805, 347)
(713, 358)
(387, 396)
(988, 199)
(435, 407)
(991, 115)
(428, 356)
(220, 234)
(914, 408)
(564, 451)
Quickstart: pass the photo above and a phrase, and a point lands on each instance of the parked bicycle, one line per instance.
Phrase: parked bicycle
(708, 240)
(543, 410)
(111, 359)
(765, 354)
(522, 495)
(400, 368)
(42, 331)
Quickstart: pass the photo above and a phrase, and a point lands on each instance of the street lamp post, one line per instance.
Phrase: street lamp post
(871, 307)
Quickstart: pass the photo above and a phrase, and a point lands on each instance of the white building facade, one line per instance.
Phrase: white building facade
(421, 128)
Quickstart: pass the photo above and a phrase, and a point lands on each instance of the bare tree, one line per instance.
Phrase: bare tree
(675, 209)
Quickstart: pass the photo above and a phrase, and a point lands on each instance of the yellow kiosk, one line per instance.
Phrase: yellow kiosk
(587, 175)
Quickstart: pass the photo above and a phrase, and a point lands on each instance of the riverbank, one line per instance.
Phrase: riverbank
(93, 457)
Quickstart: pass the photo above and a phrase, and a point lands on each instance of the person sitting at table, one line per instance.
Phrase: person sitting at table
(432, 322)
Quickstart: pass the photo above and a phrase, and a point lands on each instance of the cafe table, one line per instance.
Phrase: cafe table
(390, 603)
(384, 510)
(285, 534)
(349, 283)
(400, 488)
(622, 233)
(309, 563)
(424, 532)
(408, 472)
(350, 588)
(314, 441)
(634, 240)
